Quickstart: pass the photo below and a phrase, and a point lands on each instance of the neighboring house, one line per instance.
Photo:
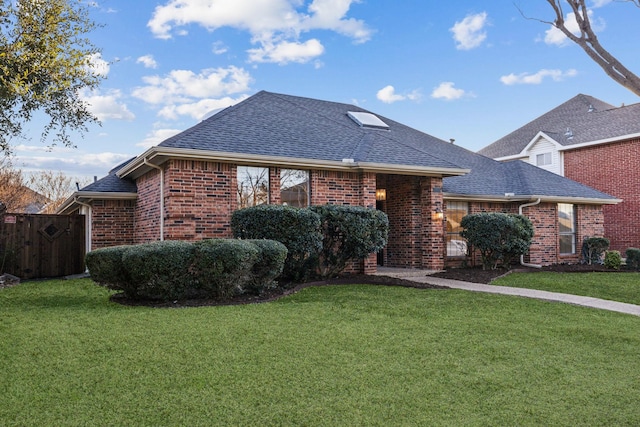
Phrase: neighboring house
(273, 148)
(591, 142)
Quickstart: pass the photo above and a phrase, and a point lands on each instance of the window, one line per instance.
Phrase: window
(567, 228)
(253, 186)
(543, 159)
(456, 245)
(294, 187)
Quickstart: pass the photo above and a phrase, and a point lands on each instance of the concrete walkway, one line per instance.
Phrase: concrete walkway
(424, 276)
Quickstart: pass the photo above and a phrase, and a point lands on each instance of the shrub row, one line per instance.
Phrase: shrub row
(322, 240)
(171, 270)
(633, 258)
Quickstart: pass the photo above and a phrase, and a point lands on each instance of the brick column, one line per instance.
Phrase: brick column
(432, 241)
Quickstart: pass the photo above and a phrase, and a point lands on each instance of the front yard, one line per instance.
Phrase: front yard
(332, 355)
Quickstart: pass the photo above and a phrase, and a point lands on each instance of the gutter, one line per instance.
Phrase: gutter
(89, 231)
(520, 208)
(161, 195)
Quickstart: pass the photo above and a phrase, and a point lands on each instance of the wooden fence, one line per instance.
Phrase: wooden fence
(38, 246)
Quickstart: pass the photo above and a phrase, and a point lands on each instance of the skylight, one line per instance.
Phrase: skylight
(367, 120)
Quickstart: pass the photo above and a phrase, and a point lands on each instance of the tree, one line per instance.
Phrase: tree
(45, 61)
(14, 194)
(55, 186)
(587, 39)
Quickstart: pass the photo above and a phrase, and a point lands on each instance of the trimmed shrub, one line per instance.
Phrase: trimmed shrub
(222, 267)
(297, 228)
(351, 233)
(612, 259)
(593, 249)
(268, 266)
(499, 237)
(633, 258)
(159, 270)
(105, 265)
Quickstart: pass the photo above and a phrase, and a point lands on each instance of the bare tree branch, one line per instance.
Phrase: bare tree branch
(587, 39)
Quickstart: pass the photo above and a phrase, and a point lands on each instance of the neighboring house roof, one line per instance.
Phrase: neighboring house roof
(291, 131)
(581, 120)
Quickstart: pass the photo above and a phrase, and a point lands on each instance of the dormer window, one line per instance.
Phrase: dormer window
(543, 159)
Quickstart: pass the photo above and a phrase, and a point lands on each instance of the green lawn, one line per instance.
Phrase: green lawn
(333, 355)
(623, 287)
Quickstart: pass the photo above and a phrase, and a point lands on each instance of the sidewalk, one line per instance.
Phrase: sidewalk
(423, 276)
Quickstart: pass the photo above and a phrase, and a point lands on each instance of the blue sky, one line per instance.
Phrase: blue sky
(466, 69)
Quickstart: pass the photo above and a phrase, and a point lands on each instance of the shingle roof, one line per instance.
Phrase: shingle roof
(588, 119)
(289, 126)
(112, 183)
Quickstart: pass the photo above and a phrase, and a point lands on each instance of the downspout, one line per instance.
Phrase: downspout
(520, 208)
(89, 231)
(161, 196)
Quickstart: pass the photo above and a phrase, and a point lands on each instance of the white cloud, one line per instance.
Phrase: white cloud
(600, 3)
(468, 33)
(98, 65)
(388, 95)
(284, 52)
(537, 78)
(273, 24)
(157, 136)
(219, 48)
(447, 91)
(107, 106)
(554, 36)
(199, 109)
(148, 61)
(73, 163)
(185, 86)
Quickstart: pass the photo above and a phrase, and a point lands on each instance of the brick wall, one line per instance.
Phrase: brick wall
(415, 240)
(544, 217)
(199, 199)
(112, 223)
(147, 213)
(614, 169)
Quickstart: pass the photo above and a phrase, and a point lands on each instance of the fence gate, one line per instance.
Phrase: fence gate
(36, 246)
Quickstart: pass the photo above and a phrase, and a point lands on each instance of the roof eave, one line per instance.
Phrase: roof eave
(599, 142)
(527, 198)
(82, 197)
(158, 155)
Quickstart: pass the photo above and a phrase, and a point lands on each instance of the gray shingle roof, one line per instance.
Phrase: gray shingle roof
(588, 118)
(288, 126)
(112, 183)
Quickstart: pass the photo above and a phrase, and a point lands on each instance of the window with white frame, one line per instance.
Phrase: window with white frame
(543, 159)
(567, 228)
(253, 186)
(294, 187)
(456, 244)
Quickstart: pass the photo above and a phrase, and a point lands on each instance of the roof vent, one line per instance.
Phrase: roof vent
(569, 133)
(591, 108)
(367, 120)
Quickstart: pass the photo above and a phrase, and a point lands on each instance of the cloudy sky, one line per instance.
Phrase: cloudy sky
(471, 70)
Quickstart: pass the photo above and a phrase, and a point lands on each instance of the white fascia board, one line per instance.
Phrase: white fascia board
(525, 198)
(598, 142)
(69, 205)
(158, 155)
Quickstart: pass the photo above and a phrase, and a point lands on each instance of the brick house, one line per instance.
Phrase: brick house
(591, 142)
(274, 148)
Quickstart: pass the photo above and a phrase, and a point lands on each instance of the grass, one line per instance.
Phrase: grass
(622, 287)
(339, 355)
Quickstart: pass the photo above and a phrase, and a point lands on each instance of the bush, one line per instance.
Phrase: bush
(106, 267)
(633, 258)
(268, 266)
(159, 270)
(351, 233)
(612, 259)
(593, 248)
(499, 237)
(222, 267)
(172, 270)
(297, 228)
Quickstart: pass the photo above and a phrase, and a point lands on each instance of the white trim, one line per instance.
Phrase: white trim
(159, 155)
(532, 197)
(600, 141)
